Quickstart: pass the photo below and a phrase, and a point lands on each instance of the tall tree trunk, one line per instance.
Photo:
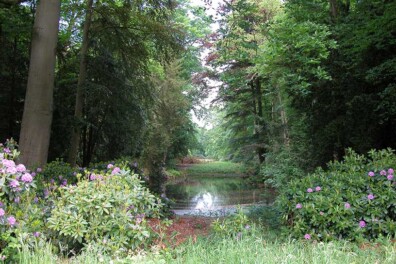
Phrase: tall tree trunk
(78, 110)
(37, 114)
(284, 121)
(333, 8)
(258, 117)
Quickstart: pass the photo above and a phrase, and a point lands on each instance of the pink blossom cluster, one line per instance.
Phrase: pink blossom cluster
(15, 176)
(4, 219)
(317, 189)
(389, 174)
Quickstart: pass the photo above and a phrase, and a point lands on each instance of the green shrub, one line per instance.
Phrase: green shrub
(126, 162)
(353, 199)
(234, 226)
(54, 174)
(108, 209)
(268, 215)
(280, 168)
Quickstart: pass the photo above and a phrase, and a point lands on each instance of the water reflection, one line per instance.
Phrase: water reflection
(212, 193)
(204, 201)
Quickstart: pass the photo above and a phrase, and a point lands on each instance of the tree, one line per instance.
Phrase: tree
(37, 115)
(169, 113)
(78, 111)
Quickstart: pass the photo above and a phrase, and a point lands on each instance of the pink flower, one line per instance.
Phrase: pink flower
(38, 169)
(109, 166)
(27, 177)
(383, 173)
(8, 163)
(321, 213)
(116, 170)
(21, 168)
(371, 174)
(318, 188)
(390, 177)
(12, 170)
(309, 190)
(347, 205)
(362, 224)
(2, 212)
(36, 234)
(92, 177)
(14, 183)
(11, 220)
(370, 196)
(298, 206)
(7, 150)
(307, 236)
(390, 171)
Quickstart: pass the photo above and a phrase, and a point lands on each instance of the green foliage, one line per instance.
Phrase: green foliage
(280, 168)
(16, 30)
(352, 199)
(293, 56)
(267, 215)
(109, 209)
(236, 225)
(56, 172)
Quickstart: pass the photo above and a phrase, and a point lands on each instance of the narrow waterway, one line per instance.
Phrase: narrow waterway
(205, 194)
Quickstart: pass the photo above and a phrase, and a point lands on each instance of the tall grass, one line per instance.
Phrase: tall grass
(40, 255)
(249, 249)
(255, 249)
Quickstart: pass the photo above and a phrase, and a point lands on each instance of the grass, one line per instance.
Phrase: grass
(255, 248)
(216, 168)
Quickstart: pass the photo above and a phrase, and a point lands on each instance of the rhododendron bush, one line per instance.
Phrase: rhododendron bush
(72, 208)
(353, 199)
(107, 208)
(21, 213)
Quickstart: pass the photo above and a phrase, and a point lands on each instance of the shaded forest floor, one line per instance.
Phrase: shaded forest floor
(182, 229)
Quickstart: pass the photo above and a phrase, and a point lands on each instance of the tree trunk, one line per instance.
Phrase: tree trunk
(37, 114)
(258, 116)
(284, 121)
(78, 110)
(333, 8)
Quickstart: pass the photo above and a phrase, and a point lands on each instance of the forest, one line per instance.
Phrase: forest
(99, 102)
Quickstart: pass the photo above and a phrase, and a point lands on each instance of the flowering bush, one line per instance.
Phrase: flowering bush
(56, 173)
(107, 208)
(14, 179)
(353, 199)
(21, 214)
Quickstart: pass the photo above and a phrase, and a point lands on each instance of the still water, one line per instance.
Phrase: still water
(212, 193)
